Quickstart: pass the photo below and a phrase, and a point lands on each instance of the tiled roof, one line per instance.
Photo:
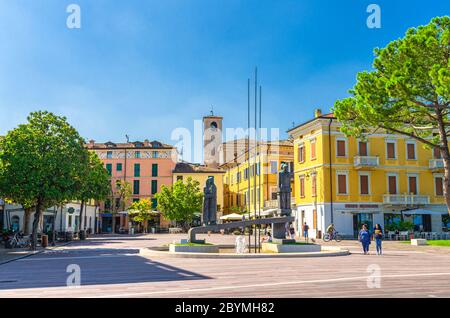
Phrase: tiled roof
(135, 144)
(186, 167)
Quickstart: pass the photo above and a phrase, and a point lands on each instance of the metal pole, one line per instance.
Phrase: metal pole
(256, 143)
(259, 167)
(248, 163)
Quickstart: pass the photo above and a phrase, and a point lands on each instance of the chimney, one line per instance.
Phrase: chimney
(317, 113)
(91, 143)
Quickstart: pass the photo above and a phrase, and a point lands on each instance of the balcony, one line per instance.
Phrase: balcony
(273, 204)
(405, 199)
(436, 164)
(361, 162)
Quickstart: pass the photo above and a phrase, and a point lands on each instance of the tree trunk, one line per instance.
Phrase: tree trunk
(26, 221)
(81, 215)
(37, 217)
(113, 230)
(445, 153)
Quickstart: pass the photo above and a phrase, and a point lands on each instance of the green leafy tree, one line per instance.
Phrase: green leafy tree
(180, 201)
(40, 163)
(122, 192)
(407, 92)
(94, 183)
(140, 212)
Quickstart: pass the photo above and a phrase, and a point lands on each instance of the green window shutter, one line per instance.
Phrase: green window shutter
(154, 203)
(119, 167)
(136, 187)
(109, 168)
(154, 186)
(137, 170)
(154, 170)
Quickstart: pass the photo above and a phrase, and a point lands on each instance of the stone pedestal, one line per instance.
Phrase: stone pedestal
(290, 248)
(279, 234)
(419, 242)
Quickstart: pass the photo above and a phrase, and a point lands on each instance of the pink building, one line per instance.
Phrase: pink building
(146, 166)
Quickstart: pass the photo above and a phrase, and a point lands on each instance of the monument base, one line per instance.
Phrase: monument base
(290, 248)
(283, 241)
(174, 248)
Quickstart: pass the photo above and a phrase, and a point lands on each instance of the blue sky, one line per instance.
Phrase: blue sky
(143, 68)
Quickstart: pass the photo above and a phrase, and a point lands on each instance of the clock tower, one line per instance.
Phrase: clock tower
(212, 140)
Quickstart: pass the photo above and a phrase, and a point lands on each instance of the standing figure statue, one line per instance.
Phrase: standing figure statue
(209, 202)
(284, 191)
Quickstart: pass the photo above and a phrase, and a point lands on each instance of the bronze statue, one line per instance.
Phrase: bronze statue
(284, 191)
(209, 202)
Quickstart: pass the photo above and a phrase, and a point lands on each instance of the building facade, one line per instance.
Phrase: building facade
(62, 219)
(250, 181)
(146, 166)
(382, 179)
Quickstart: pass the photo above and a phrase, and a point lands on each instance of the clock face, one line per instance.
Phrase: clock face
(213, 125)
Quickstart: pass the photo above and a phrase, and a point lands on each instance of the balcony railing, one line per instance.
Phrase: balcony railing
(436, 164)
(273, 204)
(366, 162)
(406, 199)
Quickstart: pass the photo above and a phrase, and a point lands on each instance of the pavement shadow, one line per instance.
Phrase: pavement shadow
(97, 267)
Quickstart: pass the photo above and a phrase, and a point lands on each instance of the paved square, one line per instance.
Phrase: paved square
(112, 267)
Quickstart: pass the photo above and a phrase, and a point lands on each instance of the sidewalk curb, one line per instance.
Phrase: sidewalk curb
(35, 253)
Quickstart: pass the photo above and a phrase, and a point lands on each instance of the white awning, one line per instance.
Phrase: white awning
(232, 217)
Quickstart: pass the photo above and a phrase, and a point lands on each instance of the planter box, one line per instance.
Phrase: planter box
(419, 242)
(290, 248)
(173, 248)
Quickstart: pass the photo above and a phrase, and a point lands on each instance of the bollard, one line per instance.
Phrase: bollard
(44, 241)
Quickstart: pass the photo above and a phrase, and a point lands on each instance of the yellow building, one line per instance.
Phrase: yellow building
(349, 182)
(243, 173)
(201, 173)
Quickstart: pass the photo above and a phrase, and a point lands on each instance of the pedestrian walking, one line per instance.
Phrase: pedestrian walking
(378, 237)
(305, 229)
(364, 238)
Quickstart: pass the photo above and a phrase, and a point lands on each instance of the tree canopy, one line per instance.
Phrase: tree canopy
(180, 201)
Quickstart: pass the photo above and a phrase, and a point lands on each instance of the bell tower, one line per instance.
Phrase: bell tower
(212, 140)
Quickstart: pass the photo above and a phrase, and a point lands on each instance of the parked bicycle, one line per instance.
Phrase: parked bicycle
(333, 236)
(19, 241)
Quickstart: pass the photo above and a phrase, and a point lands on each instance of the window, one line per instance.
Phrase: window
(179, 178)
(69, 223)
(109, 168)
(154, 170)
(273, 167)
(117, 203)
(411, 151)
(301, 153)
(245, 173)
(392, 184)
(137, 170)
(154, 186)
(313, 149)
(439, 186)
(135, 200)
(340, 148)
(364, 184)
(314, 185)
(342, 184)
(412, 184)
(362, 149)
(107, 204)
(119, 167)
(390, 150)
(155, 154)
(136, 185)
(154, 203)
(109, 154)
(302, 186)
(137, 154)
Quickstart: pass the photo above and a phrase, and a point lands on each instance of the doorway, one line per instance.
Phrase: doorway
(359, 219)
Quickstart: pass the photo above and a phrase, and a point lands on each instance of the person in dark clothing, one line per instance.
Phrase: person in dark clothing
(378, 237)
(364, 238)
